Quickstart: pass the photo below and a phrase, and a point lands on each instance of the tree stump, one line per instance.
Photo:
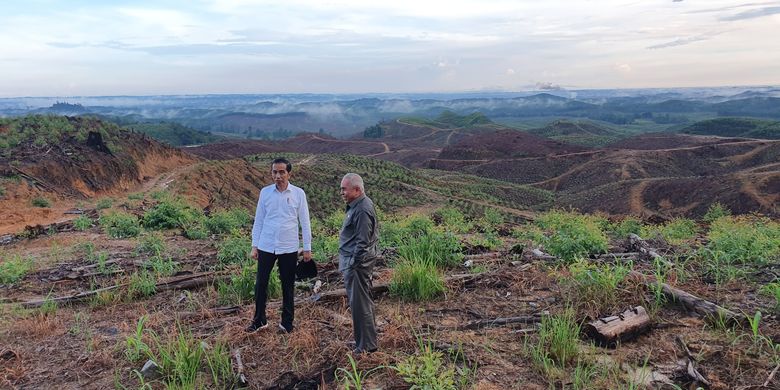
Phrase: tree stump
(608, 331)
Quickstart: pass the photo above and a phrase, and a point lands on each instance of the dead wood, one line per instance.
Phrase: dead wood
(183, 283)
(501, 321)
(690, 302)
(641, 246)
(608, 331)
(240, 377)
(538, 254)
(693, 373)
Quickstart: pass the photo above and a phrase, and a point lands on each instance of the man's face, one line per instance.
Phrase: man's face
(280, 175)
(349, 192)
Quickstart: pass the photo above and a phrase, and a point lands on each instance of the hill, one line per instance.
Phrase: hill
(743, 174)
(173, 133)
(736, 127)
(55, 158)
(583, 133)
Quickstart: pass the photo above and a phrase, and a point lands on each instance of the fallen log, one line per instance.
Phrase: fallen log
(501, 321)
(184, 282)
(690, 302)
(609, 331)
(382, 288)
(538, 254)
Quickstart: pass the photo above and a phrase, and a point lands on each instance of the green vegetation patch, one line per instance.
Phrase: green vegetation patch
(13, 269)
(744, 240)
(570, 235)
(416, 280)
(119, 224)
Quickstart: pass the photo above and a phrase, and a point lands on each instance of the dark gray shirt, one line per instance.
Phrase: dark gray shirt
(359, 233)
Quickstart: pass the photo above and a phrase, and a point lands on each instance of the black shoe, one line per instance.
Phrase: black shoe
(284, 330)
(255, 327)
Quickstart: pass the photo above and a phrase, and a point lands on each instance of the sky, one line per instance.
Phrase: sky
(115, 47)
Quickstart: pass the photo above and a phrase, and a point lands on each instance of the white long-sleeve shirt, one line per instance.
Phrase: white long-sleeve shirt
(277, 217)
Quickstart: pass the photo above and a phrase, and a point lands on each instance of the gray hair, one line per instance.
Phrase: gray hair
(355, 181)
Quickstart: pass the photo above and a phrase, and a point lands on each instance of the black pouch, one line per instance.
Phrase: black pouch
(306, 269)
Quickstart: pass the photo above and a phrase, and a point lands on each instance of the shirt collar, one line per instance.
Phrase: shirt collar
(289, 187)
(352, 204)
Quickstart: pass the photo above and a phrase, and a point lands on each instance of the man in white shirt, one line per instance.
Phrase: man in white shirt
(280, 209)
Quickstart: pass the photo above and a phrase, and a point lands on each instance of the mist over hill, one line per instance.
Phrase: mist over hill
(280, 115)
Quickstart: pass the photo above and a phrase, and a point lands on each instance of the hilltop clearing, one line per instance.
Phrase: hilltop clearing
(501, 303)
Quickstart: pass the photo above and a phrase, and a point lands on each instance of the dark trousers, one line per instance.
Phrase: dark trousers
(357, 281)
(265, 264)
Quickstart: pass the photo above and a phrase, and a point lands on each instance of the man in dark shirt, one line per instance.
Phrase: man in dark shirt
(357, 255)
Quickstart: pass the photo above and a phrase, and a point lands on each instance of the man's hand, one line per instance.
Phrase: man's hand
(254, 254)
(306, 255)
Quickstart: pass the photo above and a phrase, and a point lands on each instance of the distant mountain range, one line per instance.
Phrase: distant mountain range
(273, 116)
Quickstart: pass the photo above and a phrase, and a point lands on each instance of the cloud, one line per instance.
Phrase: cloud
(752, 14)
(686, 41)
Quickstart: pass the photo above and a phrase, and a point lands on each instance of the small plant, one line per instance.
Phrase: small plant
(557, 344)
(136, 196)
(416, 280)
(716, 211)
(241, 288)
(324, 248)
(491, 220)
(120, 225)
(352, 378)
(744, 240)
(427, 370)
(40, 201)
(142, 284)
(234, 249)
(773, 290)
(179, 358)
(49, 306)
(595, 286)
(135, 347)
(82, 222)
(162, 265)
(14, 269)
(104, 203)
(152, 243)
(220, 366)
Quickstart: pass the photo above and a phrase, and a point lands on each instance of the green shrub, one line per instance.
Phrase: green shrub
(570, 235)
(162, 265)
(491, 220)
(324, 248)
(628, 225)
(40, 201)
(104, 203)
(234, 249)
(152, 243)
(142, 284)
(743, 240)
(82, 222)
(679, 230)
(427, 370)
(120, 225)
(453, 220)
(14, 269)
(715, 211)
(416, 280)
(169, 214)
(226, 221)
(136, 196)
